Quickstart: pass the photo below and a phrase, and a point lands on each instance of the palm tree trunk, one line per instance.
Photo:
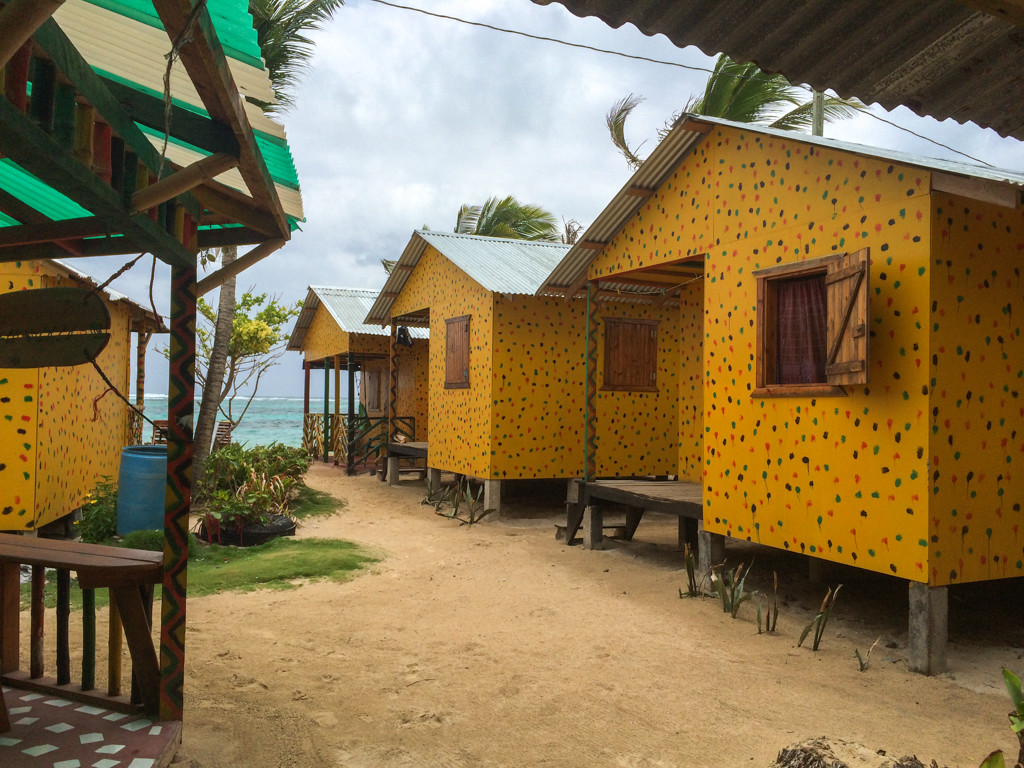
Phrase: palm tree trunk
(206, 423)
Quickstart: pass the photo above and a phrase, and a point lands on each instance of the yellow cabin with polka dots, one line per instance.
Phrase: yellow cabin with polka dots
(908, 460)
(61, 428)
(505, 371)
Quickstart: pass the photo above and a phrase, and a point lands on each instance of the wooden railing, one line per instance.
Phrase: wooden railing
(313, 435)
(128, 575)
(339, 438)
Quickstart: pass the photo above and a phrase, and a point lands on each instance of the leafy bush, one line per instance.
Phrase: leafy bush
(99, 516)
(247, 486)
(145, 539)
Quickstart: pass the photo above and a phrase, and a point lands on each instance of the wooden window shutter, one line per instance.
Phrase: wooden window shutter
(456, 363)
(371, 389)
(630, 354)
(848, 318)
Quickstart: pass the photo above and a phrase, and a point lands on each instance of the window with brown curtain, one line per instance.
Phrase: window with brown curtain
(456, 359)
(630, 354)
(812, 325)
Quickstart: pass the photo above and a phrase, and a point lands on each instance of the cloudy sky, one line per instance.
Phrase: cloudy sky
(403, 117)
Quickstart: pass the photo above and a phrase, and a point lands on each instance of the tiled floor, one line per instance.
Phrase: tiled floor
(47, 731)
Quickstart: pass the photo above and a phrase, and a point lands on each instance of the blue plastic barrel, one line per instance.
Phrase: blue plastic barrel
(141, 484)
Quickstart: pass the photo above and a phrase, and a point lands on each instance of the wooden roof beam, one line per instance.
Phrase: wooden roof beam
(236, 206)
(29, 146)
(640, 192)
(51, 231)
(181, 181)
(984, 190)
(591, 245)
(218, 278)
(204, 60)
(19, 20)
(91, 87)
(223, 238)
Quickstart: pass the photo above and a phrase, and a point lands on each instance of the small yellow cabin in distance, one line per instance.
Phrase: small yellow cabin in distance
(849, 367)
(331, 335)
(61, 428)
(506, 367)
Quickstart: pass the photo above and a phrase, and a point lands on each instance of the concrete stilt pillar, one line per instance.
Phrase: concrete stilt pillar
(593, 527)
(433, 478)
(710, 551)
(492, 497)
(928, 624)
(392, 470)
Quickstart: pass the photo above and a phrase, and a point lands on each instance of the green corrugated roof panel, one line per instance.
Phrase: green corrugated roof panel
(230, 17)
(31, 191)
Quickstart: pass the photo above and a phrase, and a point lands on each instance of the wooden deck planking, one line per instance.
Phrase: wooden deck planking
(416, 450)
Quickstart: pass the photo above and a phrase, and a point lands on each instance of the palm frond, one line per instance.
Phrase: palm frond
(281, 30)
(800, 118)
(507, 217)
(467, 220)
(616, 122)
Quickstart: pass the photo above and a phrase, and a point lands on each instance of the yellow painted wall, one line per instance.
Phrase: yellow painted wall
(691, 383)
(67, 444)
(976, 370)
(844, 478)
(538, 388)
(638, 432)
(324, 337)
(460, 419)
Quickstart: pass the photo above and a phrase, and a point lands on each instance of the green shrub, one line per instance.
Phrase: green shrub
(151, 540)
(99, 515)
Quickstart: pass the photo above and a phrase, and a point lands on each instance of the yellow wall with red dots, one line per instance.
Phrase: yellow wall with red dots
(691, 383)
(537, 388)
(976, 384)
(638, 432)
(324, 337)
(845, 478)
(459, 430)
(56, 439)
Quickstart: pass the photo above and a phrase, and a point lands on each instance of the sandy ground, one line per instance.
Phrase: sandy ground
(495, 645)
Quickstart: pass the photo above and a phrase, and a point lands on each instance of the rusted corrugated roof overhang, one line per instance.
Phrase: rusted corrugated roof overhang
(942, 58)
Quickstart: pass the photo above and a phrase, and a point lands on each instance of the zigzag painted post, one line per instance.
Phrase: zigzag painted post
(178, 500)
(590, 425)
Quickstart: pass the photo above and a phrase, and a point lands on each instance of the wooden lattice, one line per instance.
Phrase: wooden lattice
(313, 435)
(339, 439)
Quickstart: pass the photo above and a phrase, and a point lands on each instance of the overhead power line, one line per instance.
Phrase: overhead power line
(647, 59)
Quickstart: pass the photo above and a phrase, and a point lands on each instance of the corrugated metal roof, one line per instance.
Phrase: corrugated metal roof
(687, 133)
(938, 57)
(499, 265)
(348, 307)
(153, 320)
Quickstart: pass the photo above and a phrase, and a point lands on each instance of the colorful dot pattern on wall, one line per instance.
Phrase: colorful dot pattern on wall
(638, 432)
(59, 432)
(324, 338)
(877, 478)
(976, 380)
(459, 434)
(691, 383)
(538, 388)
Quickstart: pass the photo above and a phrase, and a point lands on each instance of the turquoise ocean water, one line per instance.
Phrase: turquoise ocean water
(268, 420)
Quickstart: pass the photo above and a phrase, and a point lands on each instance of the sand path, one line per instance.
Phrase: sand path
(495, 645)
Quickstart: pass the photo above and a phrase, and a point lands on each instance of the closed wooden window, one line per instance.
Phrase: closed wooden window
(812, 325)
(456, 358)
(630, 354)
(372, 384)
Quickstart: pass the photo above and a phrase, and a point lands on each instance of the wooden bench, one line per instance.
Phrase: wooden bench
(129, 575)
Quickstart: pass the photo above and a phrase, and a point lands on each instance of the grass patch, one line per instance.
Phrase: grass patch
(280, 564)
(312, 503)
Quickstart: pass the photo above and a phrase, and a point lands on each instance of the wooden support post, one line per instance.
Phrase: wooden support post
(327, 411)
(393, 383)
(238, 266)
(36, 618)
(180, 412)
(593, 526)
(392, 470)
(351, 430)
(114, 650)
(64, 117)
(10, 617)
(927, 634)
(305, 389)
(633, 517)
(573, 510)
(44, 85)
(63, 626)
(88, 639)
(101, 136)
(85, 126)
